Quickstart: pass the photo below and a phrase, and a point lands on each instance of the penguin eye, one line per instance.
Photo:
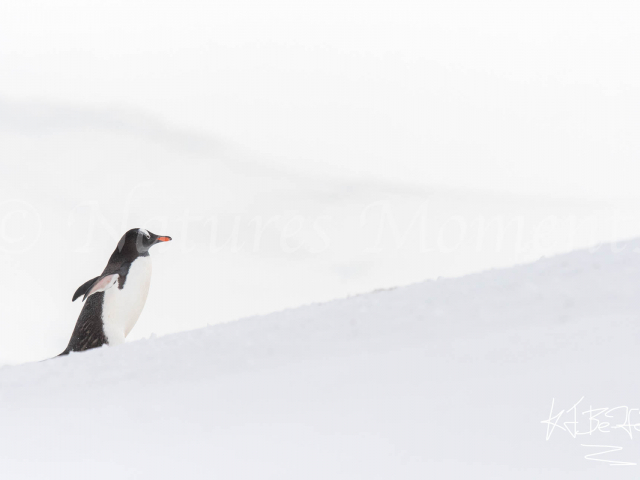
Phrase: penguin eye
(145, 233)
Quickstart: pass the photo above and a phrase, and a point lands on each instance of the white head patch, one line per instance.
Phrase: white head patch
(144, 232)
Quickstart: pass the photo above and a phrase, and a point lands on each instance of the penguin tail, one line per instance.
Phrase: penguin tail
(59, 355)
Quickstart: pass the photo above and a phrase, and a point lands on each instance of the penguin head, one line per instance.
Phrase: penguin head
(139, 240)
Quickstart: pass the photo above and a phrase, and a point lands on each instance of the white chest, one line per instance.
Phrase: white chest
(122, 307)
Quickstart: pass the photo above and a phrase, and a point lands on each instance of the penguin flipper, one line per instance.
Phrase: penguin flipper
(82, 289)
(101, 284)
(98, 284)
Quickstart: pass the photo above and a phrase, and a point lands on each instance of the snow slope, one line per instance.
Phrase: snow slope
(249, 236)
(442, 379)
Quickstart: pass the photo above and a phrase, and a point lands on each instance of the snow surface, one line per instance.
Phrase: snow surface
(441, 379)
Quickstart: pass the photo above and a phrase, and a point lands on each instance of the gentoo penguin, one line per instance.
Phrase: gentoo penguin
(114, 299)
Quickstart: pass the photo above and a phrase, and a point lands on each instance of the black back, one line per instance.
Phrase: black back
(88, 332)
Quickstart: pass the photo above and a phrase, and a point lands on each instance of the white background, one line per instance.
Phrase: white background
(371, 143)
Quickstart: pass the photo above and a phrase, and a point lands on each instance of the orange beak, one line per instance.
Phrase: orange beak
(164, 239)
